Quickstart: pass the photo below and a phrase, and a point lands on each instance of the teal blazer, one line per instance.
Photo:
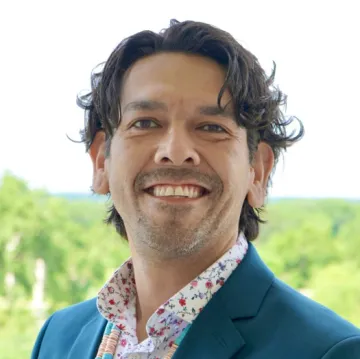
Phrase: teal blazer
(253, 316)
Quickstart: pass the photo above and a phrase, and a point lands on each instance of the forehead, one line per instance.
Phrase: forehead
(175, 78)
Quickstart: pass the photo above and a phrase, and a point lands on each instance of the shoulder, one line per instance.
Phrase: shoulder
(60, 332)
(312, 322)
(284, 323)
(68, 322)
(308, 312)
(80, 312)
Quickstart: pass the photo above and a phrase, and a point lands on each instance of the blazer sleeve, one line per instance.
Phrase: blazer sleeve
(39, 339)
(346, 349)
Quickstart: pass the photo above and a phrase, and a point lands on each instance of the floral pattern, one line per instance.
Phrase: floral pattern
(117, 302)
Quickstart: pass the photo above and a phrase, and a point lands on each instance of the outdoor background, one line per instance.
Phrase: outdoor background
(51, 231)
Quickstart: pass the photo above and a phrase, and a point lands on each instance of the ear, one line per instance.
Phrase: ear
(97, 154)
(261, 168)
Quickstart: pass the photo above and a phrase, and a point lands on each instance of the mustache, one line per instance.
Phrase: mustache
(182, 174)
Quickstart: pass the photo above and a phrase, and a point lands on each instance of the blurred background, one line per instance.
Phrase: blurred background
(51, 229)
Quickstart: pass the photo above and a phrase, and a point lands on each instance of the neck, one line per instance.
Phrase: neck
(157, 280)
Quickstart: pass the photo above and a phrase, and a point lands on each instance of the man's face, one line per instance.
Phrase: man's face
(178, 170)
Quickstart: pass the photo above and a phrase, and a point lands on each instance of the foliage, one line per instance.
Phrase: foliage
(311, 244)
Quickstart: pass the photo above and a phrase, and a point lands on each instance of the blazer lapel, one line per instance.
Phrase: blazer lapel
(211, 336)
(88, 341)
(244, 292)
(214, 333)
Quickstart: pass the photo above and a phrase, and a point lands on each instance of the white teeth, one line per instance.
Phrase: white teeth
(169, 191)
(157, 191)
(191, 192)
(186, 191)
(178, 191)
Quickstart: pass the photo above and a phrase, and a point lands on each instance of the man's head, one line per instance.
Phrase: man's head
(184, 129)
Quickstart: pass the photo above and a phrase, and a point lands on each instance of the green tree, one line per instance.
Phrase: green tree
(337, 286)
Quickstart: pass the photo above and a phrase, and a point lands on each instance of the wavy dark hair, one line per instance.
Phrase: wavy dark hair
(257, 102)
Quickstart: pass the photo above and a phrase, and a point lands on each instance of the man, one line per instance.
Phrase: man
(184, 130)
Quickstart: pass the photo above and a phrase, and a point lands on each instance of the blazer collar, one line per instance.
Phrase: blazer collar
(243, 293)
(213, 334)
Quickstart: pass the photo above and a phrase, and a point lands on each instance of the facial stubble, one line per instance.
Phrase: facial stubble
(168, 233)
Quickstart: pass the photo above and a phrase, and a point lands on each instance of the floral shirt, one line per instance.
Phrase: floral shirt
(116, 303)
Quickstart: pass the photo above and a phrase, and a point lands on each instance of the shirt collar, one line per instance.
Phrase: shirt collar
(117, 299)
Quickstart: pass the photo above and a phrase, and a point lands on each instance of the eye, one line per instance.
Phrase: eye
(145, 123)
(212, 127)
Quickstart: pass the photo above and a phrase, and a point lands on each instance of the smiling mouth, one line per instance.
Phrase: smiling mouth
(168, 192)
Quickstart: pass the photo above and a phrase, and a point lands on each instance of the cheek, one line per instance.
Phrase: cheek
(233, 166)
(238, 186)
(126, 161)
(120, 169)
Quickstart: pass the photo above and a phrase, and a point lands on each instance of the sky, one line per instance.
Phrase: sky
(48, 49)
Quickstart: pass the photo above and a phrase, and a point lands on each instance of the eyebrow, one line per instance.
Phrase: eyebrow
(151, 105)
(215, 111)
(145, 105)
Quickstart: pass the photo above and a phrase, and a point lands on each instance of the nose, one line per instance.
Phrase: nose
(177, 148)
